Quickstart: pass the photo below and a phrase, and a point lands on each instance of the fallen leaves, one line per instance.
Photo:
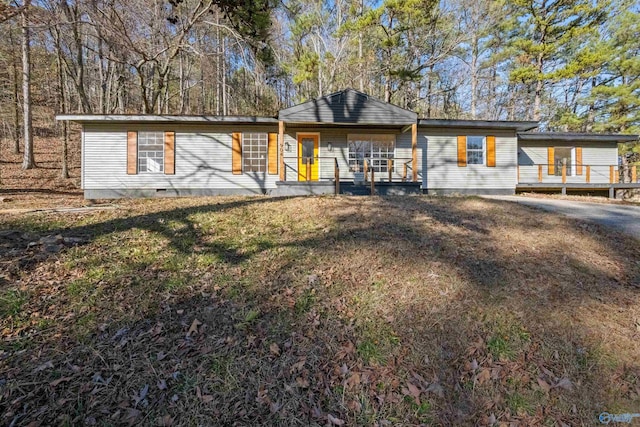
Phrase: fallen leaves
(166, 421)
(302, 382)
(131, 416)
(204, 398)
(274, 349)
(297, 367)
(55, 383)
(44, 366)
(334, 420)
(544, 386)
(564, 383)
(141, 396)
(288, 364)
(413, 391)
(483, 376)
(436, 389)
(193, 329)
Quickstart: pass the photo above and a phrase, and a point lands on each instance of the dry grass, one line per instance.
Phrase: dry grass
(371, 311)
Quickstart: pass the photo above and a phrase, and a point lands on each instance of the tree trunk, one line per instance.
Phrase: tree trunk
(120, 92)
(360, 62)
(16, 97)
(225, 106)
(182, 84)
(28, 161)
(387, 89)
(474, 76)
(592, 109)
(537, 102)
(73, 15)
(429, 89)
(64, 167)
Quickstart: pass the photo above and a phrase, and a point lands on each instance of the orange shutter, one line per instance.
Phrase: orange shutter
(491, 151)
(236, 159)
(462, 151)
(169, 153)
(273, 153)
(550, 159)
(578, 160)
(132, 152)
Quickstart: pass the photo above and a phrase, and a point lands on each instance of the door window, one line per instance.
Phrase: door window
(308, 146)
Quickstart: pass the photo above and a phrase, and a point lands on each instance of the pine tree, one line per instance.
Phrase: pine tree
(542, 39)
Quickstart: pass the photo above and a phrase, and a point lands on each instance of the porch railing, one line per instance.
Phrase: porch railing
(395, 169)
(321, 168)
(368, 169)
(577, 173)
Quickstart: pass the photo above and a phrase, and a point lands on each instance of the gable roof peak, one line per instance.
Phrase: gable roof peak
(348, 106)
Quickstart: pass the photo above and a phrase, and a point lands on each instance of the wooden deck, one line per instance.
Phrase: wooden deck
(563, 188)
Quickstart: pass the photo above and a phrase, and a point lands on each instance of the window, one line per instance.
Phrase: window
(308, 148)
(375, 148)
(562, 157)
(475, 150)
(150, 152)
(254, 152)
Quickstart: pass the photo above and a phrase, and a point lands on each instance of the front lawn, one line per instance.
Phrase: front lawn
(318, 310)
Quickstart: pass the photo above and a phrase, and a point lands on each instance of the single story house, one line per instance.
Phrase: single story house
(345, 142)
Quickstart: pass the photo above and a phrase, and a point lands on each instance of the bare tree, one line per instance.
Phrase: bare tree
(16, 94)
(28, 161)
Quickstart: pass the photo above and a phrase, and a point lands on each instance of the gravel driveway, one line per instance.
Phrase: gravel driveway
(624, 218)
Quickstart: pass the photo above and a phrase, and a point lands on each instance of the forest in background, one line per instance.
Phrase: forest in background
(572, 64)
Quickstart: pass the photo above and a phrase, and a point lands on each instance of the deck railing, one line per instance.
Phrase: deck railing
(579, 173)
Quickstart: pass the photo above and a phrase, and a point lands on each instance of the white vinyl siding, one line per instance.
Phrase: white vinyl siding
(202, 159)
(444, 173)
(599, 155)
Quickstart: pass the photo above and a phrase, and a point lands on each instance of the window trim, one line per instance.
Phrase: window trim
(148, 172)
(483, 150)
(244, 152)
(571, 170)
(372, 135)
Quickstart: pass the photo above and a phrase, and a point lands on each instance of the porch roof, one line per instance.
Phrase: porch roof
(348, 107)
(571, 136)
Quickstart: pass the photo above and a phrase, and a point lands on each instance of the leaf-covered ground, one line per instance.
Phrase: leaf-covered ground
(316, 311)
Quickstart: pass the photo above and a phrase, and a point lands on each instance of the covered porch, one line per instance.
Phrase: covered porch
(347, 142)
